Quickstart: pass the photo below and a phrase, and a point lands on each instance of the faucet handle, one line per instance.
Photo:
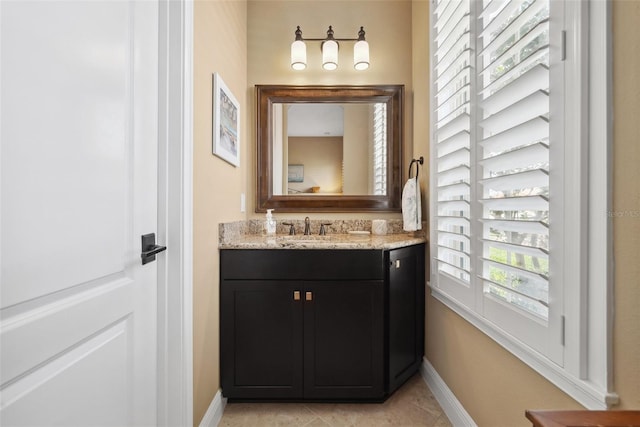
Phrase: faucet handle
(292, 228)
(323, 231)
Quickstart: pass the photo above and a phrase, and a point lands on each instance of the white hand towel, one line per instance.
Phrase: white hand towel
(411, 209)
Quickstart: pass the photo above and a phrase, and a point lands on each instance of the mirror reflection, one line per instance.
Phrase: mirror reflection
(329, 149)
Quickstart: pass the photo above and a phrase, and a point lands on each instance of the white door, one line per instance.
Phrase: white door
(78, 189)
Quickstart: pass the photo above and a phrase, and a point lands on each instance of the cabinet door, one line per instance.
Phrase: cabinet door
(406, 313)
(344, 340)
(261, 339)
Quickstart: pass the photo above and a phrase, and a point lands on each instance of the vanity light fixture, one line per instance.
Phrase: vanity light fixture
(329, 46)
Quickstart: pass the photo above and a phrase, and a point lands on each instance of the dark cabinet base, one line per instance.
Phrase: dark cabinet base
(320, 325)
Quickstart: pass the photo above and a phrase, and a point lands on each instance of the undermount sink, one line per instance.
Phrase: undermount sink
(315, 239)
(303, 238)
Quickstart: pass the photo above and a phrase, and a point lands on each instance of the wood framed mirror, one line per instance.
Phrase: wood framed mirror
(329, 148)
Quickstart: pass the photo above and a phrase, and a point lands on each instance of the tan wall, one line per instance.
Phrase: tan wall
(220, 46)
(494, 386)
(626, 199)
(322, 161)
(271, 27)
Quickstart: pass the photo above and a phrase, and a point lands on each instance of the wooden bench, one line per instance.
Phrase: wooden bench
(584, 418)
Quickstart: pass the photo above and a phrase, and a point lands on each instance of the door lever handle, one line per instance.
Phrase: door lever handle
(149, 248)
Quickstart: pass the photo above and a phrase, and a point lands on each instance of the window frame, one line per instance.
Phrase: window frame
(585, 372)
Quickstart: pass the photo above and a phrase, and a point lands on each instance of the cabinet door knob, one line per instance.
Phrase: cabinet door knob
(296, 295)
(308, 296)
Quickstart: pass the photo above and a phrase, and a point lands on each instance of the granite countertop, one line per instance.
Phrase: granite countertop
(336, 241)
(249, 235)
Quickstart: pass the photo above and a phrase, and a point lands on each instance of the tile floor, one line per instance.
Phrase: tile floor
(412, 405)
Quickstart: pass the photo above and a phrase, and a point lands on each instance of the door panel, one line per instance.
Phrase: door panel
(99, 396)
(78, 189)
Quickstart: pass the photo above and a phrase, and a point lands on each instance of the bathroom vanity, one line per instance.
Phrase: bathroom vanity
(320, 320)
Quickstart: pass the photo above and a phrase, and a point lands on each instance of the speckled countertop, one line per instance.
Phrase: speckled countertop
(248, 235)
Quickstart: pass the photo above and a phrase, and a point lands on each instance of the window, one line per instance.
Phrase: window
(511, 183)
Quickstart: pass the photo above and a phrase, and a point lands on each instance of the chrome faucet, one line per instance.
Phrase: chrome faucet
(307, 226)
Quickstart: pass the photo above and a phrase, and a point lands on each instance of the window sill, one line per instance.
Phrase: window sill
(583, 391)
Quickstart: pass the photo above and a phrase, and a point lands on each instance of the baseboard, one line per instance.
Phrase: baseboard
(213, 416)
(450, 404)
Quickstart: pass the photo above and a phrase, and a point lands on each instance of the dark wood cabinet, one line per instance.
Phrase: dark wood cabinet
(261, 336)
(320, 324)
(405, 302)
(343, 340)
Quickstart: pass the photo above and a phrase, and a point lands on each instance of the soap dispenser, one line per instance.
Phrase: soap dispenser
(270, 223)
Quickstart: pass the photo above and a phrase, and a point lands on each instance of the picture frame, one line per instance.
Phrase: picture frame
(295, 173)
(226, 122)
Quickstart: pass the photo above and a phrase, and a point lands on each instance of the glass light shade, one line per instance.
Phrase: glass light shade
(330, 55)
(298, 55)
(361, 55)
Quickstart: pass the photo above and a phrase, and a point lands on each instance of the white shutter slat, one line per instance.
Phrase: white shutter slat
(516, 49)
(453, 205)
(526, 203)
(493, 36)
(444, 10)
(452, 221)
(461, 93)
(446, 192)
(491, 8)
(517, 271)
(460, 237)
(461, 78)
(514, 292)
(458, 100)
(460, 123)
(453, 270)
(525, 133)
(536, 78)
(517, 226)
(521, 157)
(461, 111)
(495, 83)
(451, 22)
(453, 265)
(456, 158)
(454, 243)
(456, 42)
(449, 73)
(536, 104)
(453, 143)
(491, 20)
(518, 249)
(453, 176)
(518, 180)
(452, 254)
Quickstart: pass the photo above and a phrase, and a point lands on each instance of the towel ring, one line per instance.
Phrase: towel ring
(418, 162)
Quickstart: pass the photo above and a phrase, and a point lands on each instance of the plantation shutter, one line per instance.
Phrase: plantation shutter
(380, 149)
(452, 85)
(513, 153)
(490, 171)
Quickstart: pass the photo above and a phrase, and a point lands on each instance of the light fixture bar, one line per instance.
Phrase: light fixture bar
(330, 49)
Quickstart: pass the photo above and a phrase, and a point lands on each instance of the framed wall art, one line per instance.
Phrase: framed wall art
(296, 173)
(226, 122)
